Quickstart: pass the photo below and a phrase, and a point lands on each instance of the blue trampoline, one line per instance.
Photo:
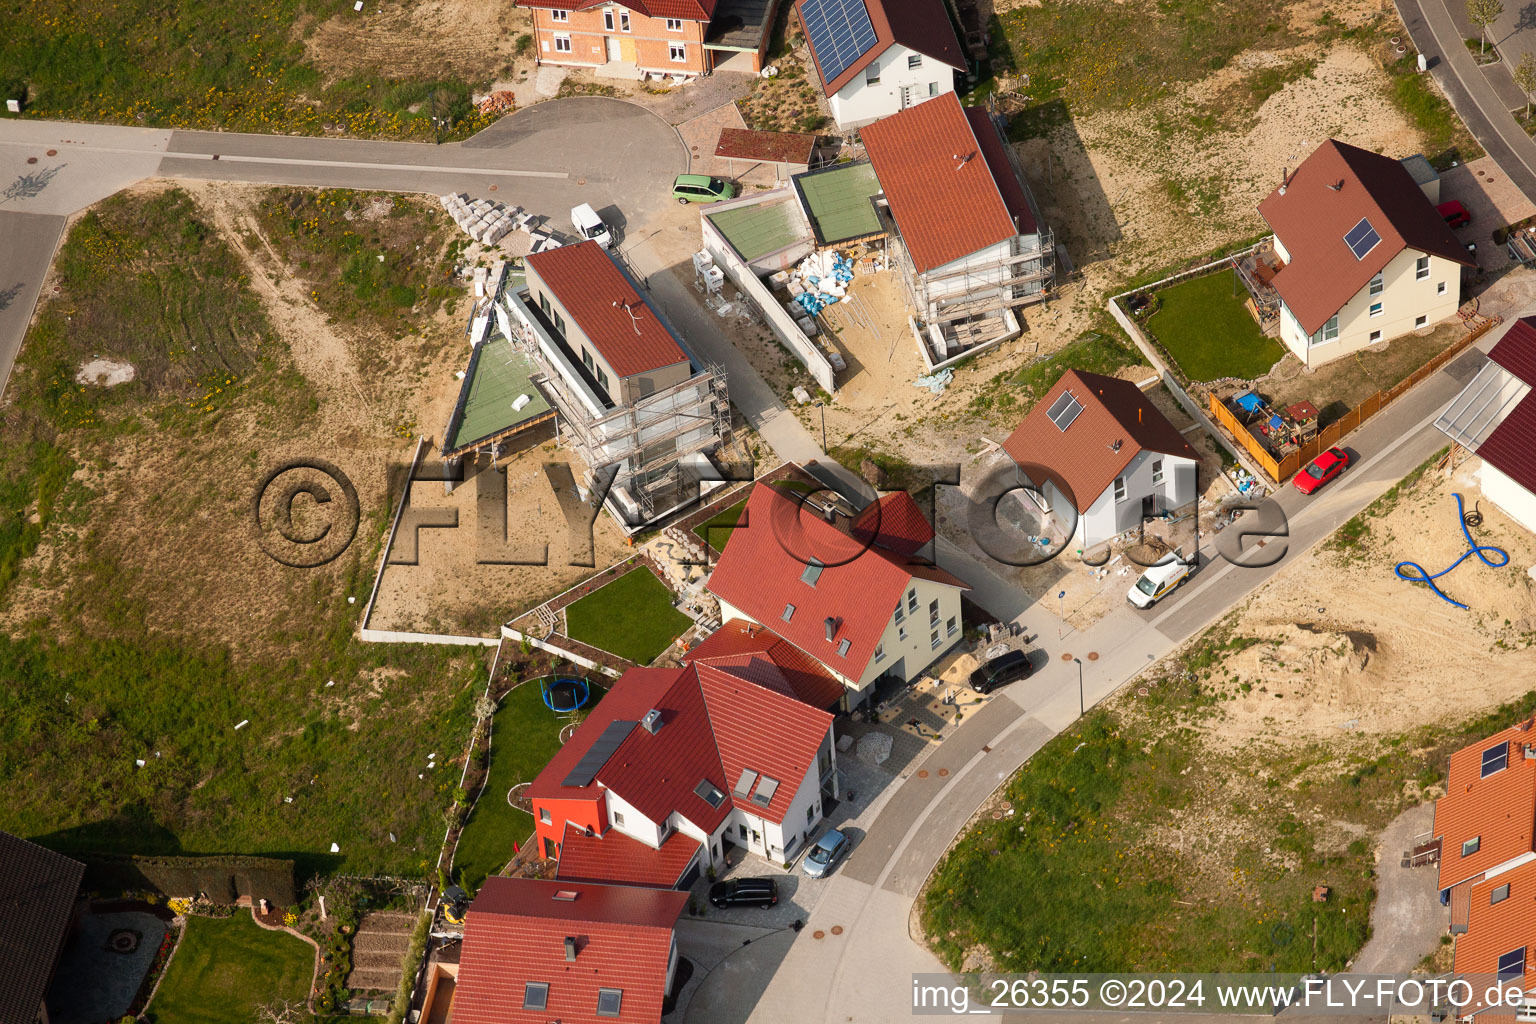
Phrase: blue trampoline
(565, 694)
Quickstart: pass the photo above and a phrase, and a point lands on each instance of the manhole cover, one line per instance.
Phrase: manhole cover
(922, 773)
(943, 772)
(53, 152)
(1093, 655)
(493, 188)
(581, 181)
(31, 159)
(837, 929)
(1067, 656)
(818, 934)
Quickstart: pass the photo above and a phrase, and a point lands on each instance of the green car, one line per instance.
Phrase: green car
(701, 188)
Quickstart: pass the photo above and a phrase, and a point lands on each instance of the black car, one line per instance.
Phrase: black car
(744, 892)
(1005, 668)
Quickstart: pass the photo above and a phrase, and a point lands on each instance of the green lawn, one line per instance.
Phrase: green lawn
(225, 968)
(148, 640)
(717, 529)
(1010, 395)
(525, 734)
(632, 617)
(1209, 333)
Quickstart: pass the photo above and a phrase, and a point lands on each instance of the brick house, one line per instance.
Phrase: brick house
(677, 39)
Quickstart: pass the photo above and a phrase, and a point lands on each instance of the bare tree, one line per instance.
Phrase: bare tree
(1525, 78)
(283, 1011)
(1484, 13)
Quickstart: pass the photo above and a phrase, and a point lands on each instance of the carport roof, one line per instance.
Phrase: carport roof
(759, 229)
(1495, 414)
(496, 376)
(838, 201)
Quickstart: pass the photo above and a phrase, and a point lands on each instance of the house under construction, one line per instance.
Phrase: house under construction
(587, 354)
(962, 226)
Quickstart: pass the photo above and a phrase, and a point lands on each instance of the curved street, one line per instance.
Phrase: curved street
(552, 155)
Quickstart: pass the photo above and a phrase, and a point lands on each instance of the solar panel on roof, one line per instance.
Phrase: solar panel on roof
(1362, 238)
(840, 32)
(598, 754)
(1064, 410)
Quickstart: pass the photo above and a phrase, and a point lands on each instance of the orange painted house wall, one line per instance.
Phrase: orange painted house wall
(591, 814)
(646, 44)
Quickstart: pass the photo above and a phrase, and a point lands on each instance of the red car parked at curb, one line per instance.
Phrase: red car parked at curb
(1321, 469)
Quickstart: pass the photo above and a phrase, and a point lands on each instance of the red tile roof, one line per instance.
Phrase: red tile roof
(616, 857)
(769, 147)
(942, 189)
(713, 724)
(734, 645)
(858, 588)
(1499, 811)
(688, 10)
(1494, 929)
(894, 522)
(1083, 460)
(1324, 199)
(1511, 448)
(631, 336)
(921, 25)
(515, 933)
(1516, 351)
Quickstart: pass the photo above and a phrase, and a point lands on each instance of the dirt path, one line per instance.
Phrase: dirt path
(1405, 924)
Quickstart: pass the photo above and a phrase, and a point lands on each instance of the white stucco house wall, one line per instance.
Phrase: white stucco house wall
(876, 57)
(1101, 457)
(1364, 255)
(875, 608)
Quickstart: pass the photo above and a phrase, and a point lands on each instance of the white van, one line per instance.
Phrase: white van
(589, 225)
(1152, 585)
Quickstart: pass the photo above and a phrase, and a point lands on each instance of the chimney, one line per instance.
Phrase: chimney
(651, 723)
(831, 625)
(1338, 186)
(1138, 414)
(1285, 179)
(570, 949)
(1116, 446)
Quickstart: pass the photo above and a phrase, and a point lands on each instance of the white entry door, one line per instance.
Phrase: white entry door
(615, 51)
(906, 97)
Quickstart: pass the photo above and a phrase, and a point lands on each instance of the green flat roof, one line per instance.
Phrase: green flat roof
(757, 230)
(838, 201)
(496, 377)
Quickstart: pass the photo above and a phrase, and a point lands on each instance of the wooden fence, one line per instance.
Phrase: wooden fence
(1282, 469)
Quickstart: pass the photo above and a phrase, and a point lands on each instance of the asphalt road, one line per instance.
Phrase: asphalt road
(616, 155)
(25, 235)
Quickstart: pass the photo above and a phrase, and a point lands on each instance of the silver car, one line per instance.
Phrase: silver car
(832, 847)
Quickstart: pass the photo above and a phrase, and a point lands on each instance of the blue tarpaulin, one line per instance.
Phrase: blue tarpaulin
(1275, 423)
(1248, 401)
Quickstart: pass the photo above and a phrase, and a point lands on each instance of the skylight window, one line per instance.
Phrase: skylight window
(789, 611)
(744, 783)
(1064, 410)
(709, 793)
(535, 995)
(1495, 759)
(842, 648)
(1362, 238)
(608, 1001)
(765, 790)
(565, 895)
(812, 572)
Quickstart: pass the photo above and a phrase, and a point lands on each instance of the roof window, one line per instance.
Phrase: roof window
(709, 793)
(765, 790)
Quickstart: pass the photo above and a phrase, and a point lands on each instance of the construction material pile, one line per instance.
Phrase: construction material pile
(821, 279)
(499, 102)
(483, 220)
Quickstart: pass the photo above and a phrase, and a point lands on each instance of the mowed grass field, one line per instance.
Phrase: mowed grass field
(141, 620)
(525, 734)
(225, 968)
(1209, 332)
(208, 64)
(632, 617)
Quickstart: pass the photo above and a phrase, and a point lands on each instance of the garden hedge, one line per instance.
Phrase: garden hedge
(224, 878)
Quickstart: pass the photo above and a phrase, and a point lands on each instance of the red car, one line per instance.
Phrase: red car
(1454, 213)
(1321, 469)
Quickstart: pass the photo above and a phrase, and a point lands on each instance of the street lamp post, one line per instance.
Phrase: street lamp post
(1062, 598)
(823, 407)
(1081, 707)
